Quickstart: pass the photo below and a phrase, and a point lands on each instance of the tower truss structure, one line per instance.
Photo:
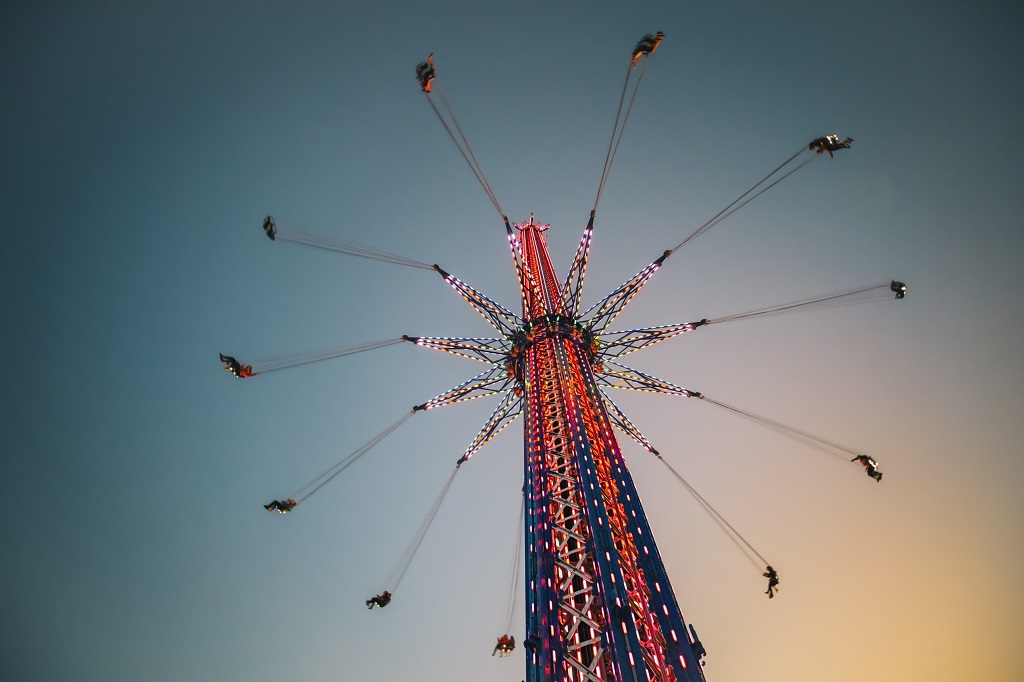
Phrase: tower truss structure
(599, 604)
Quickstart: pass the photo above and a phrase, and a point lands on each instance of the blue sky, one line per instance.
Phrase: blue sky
(142, 147)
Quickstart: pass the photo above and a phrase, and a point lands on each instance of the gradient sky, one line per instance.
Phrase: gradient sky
(144, 142)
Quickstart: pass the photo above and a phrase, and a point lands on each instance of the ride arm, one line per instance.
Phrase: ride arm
(572, 290)
(608, 309)
(617, 375)
(508, 410)
(502, 319)
(528, 288)
(617, 344)
(492, 351)
(623, 424)
(491, 381)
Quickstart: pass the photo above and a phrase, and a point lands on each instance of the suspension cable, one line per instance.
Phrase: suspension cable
(733, 534)
(739, 202)
(465, 141)
(307, 491)
(834, 449)
(403, 564)
(461, 142)
(291, 234)
(611, 143)
(829, 301)
(277, 365)
(617, 130)
(517, 558)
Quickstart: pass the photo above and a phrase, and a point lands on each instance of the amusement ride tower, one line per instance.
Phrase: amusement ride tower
(599, 603)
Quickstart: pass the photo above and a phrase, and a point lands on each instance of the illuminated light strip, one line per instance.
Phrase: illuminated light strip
(635, 380)
(499, 317)
(481, 351)
(461, 393)
(513, 242)
(495, 424)
(535, 305)
(487, 343)
(623, 424)
(570, 297)
(653, 642)
(599, 455)
(613, 304)
(638, 339)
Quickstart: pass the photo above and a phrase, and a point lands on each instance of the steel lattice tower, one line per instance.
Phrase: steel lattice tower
(599, 603)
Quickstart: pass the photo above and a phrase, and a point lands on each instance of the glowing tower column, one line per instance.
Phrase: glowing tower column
(599, 603)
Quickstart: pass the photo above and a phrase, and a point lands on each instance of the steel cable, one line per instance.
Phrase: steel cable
(829, 301)
(328, 475)
(267, 366)
(517, 557)
(612, 143)
(833, 449)
(467, 154)
(410, 552)
(736, 205)
(733, 534)
(348, 248)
